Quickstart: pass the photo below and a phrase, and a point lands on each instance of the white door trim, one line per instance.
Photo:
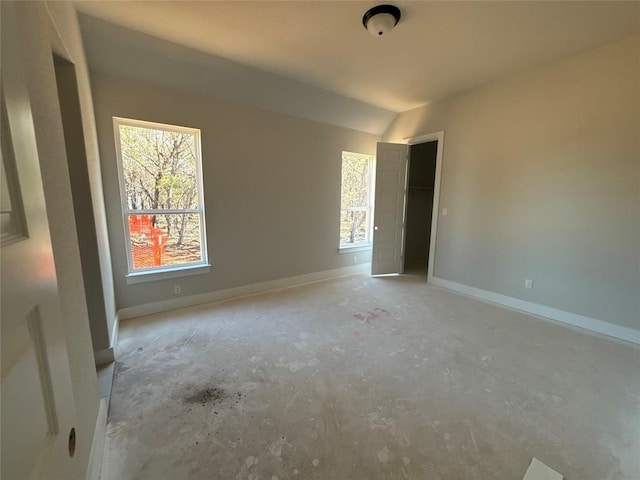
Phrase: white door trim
(99, 438)
(429, 137)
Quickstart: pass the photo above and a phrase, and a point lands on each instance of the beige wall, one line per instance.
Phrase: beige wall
(271, 182)
(47, 28)
(120, 51)
(541, 179)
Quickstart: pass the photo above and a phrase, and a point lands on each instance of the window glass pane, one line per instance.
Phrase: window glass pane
(353, 227)
(356, 179)
(161, 240)
(159, 167)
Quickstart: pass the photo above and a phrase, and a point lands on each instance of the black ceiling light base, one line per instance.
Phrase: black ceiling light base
(378, 21)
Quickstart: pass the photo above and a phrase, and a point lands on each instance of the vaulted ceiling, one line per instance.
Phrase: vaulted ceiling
(438, 49)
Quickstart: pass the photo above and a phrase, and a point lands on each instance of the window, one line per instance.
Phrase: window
(356, 199)
(162, 199)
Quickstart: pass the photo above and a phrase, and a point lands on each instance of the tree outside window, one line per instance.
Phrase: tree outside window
(356, 199)
(161, 188)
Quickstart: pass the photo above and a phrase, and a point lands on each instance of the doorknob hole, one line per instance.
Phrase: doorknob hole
(72, 442)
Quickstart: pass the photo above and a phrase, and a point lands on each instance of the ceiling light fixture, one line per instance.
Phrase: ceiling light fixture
(380, 20)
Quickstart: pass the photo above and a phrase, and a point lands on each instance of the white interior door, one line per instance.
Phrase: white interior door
(37, 409)
(388, 219)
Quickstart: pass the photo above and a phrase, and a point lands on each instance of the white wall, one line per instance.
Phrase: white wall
(541, 179)
(271, 182)
(47, 28)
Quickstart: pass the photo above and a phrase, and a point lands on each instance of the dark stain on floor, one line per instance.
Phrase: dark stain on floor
(211, 395)
(368, 316)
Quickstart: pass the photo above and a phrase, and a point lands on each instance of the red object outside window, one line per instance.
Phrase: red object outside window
(143, 256)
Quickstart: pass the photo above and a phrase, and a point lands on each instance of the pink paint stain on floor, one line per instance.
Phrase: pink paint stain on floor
(357, 333)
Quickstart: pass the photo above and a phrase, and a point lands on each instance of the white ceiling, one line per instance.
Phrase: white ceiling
(437, 49)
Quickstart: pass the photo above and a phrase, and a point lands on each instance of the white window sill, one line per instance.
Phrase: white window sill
(363, 247)
(152, 276)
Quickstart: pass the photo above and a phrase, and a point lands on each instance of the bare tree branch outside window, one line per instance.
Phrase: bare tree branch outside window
(160, 173)
(355, 214)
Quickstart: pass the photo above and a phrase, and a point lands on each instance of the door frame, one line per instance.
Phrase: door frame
(430, 137)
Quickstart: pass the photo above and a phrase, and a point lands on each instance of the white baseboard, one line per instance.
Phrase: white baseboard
(104, 356)
(114, 336)
(97, 446)
(580, 321)
(254, 288)
(108, 355)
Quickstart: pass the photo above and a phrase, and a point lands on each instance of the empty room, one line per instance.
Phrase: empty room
(286, 240)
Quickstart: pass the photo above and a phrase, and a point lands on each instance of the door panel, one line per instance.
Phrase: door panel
(388, 230)
(37, 408)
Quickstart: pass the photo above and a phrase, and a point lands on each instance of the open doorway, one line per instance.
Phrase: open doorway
(406, 205)
(421, 176)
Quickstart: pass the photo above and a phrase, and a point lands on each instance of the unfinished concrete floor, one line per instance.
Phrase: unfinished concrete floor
(368, 378)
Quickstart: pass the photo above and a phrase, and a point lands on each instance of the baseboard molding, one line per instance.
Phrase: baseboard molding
(114, 335)
(104, 356)
(108, 355)
(575, 320)
(252, 289)
(97, 446)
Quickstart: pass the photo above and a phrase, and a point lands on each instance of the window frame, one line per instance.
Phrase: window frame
(167, 271)
(368, 243)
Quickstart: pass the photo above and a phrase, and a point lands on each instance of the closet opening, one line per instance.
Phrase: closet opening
(420, 193)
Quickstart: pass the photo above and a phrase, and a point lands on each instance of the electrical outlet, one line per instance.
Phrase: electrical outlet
(528, 283)
(444, 212)
(177, 290)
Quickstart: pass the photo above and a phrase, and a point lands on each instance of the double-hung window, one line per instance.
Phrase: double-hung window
(160, 169)
(356, 199)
